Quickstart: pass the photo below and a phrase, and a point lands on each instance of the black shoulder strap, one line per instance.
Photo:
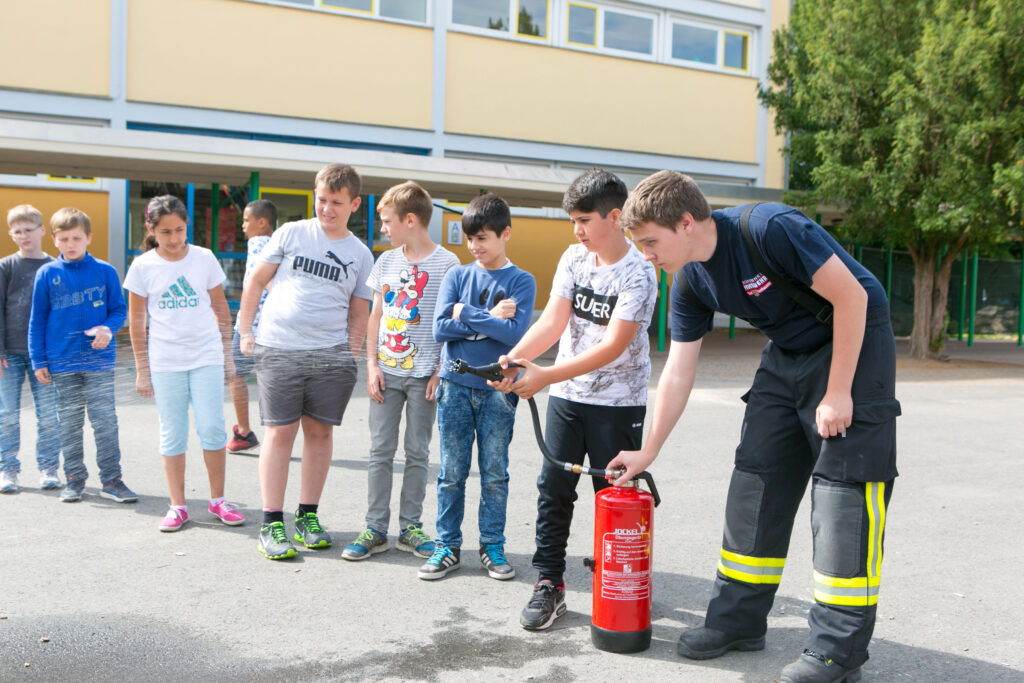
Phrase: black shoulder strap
(812, 301)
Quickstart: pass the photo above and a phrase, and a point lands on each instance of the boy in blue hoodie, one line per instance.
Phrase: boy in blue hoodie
(77, 307)
(482, 310)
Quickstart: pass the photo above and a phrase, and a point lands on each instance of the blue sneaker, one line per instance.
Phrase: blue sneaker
(72, 492)
(117, 491)
(492, 557)
(367, 543)
(443, 561)
(414, 540)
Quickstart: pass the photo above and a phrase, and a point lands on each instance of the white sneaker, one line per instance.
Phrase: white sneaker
(8, 482)
(49, 480)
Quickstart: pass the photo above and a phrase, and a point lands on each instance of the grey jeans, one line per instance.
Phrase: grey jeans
(410, 393)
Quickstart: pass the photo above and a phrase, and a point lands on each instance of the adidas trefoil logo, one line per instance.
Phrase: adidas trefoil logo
(179, 295)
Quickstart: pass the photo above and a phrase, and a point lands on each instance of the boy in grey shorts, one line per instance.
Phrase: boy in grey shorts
(312, 326)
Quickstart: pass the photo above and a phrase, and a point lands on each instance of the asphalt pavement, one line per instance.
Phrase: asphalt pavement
(93, 591)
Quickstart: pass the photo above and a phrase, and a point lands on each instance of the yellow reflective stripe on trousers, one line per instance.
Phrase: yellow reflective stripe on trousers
(751, 569)
(860, 591)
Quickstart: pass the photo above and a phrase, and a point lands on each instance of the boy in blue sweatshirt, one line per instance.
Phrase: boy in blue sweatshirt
(483, 309)
(77, 307)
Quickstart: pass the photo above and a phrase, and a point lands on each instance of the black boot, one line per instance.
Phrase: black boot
(707, 643)
(815, 668)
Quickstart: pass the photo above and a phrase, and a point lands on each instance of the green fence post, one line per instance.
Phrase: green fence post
(963, 299)
(662, 308)
(254, 186)
(732, 327)
(858, 252)
(1020, 313)
(214, 217)
(888, 274)
(974, 297)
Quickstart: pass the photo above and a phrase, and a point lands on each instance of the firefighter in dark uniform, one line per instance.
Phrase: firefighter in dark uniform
(822, 407)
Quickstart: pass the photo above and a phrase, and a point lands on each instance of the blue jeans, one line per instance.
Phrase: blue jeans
(462, 414)
(45, 399)
(77, 392)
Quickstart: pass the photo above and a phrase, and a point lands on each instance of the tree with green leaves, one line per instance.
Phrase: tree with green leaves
(910, 117)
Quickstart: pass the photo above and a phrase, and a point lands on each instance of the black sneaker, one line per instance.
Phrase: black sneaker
(72, 493)
(492, 557)
(443, 561)
(815, 668)
(546, 605)
(309, 533)
(708, 643)
(274, 543)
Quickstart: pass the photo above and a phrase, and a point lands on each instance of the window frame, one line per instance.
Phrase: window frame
(599, 34)
(374, 13)
(513, 25)
(597, 25)
(721, 30)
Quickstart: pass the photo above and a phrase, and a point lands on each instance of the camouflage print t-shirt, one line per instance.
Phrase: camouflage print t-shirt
(625, 290)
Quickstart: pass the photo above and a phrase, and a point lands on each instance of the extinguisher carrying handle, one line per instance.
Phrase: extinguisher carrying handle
(493, 372)
(647, 477)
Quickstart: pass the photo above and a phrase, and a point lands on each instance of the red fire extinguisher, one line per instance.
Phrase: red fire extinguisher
(623, 566)
(623, 545)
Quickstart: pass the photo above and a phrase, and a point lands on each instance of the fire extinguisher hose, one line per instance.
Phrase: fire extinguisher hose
(493, 372)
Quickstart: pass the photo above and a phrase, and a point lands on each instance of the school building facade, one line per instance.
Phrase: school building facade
(106, 103)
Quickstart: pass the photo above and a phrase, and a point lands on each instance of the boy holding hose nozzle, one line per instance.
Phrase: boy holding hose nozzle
(601, 303)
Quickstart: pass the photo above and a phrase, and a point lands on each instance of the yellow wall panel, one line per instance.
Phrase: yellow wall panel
(228, 54)
(94, 204)
(55, 45)
(565, 96)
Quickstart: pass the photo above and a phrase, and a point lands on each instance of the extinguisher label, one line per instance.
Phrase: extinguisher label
(626, 566)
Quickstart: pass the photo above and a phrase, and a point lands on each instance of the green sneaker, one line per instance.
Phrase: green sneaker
(366, 544)
(309, 533)
(414, 540)
(274, 543)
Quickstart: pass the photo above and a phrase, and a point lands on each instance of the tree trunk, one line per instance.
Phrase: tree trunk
(940, 304)
(924, 256)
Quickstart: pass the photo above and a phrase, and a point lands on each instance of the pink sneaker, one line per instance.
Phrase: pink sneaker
(227, 513)
(173, 520)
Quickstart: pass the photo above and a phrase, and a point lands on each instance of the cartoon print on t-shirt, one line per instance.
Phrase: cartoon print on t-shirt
(401, 309)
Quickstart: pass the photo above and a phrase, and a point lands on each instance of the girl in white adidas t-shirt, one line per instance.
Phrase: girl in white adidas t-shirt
(179, 286)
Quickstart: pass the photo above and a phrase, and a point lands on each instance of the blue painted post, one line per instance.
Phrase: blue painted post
(191, 204)
(371, 200)
(127, 222)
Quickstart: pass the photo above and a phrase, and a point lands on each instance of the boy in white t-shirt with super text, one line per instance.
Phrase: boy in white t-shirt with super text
(601, 303)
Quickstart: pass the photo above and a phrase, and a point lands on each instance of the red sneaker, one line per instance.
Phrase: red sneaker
(242, 443)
